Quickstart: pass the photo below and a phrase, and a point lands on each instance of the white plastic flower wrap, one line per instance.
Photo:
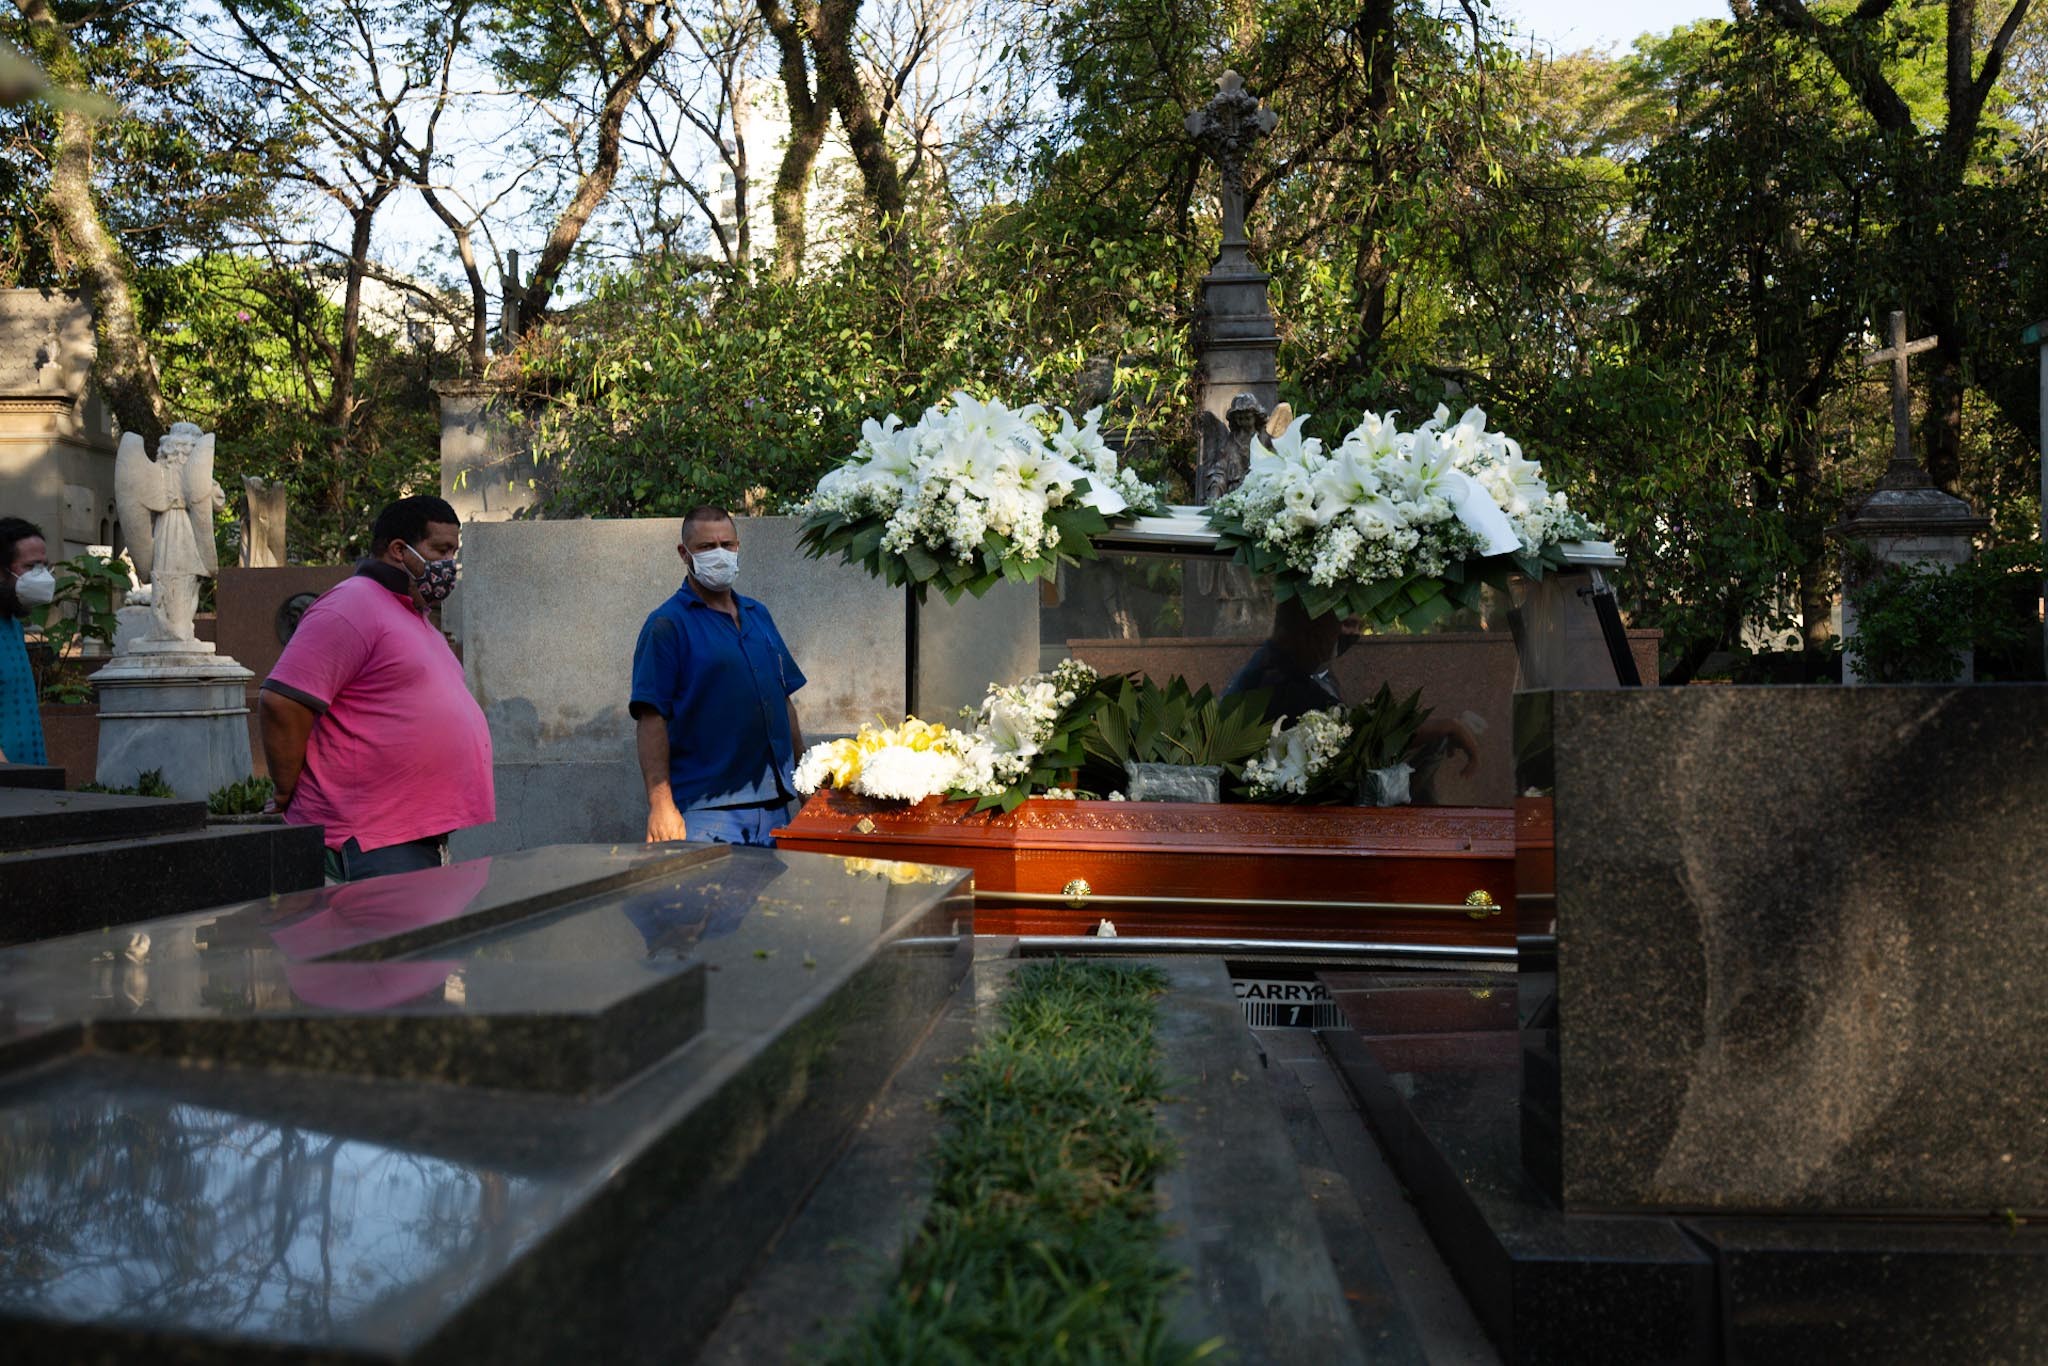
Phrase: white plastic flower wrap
(1394, 525)
(1299, 756)
(973, 493)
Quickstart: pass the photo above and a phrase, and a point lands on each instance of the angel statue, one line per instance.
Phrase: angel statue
(167, 508)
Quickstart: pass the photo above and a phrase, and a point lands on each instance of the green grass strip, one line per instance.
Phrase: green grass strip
(1044, 1241)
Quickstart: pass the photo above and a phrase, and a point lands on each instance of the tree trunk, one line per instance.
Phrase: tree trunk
(122, 367)
(839, 85)
(1372, 269)
(597, 182)
(341, 399)
(1941, 431)
(808, 121)
(478, 345)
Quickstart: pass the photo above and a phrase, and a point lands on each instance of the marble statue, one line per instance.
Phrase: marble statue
(167, 507)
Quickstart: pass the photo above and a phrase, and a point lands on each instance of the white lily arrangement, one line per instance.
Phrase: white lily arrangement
(972, 494)
(1395, 525)
(1299, 758)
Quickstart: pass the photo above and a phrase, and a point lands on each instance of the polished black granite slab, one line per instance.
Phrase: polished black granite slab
(557, 1121)
(31, 819)
(1555, 1286)
(77, 888)
(1800, 942)
(77, 861)
(46, 777)
(1881, 1292)
(1548, 1287)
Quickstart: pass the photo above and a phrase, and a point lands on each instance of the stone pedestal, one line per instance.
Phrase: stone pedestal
(1907, 522)
(487, 469)
(178, 707)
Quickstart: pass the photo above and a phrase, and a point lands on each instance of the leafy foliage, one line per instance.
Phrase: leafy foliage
(148, 783)
(1146, 722)
(243, 797)
(1383, 730)
(90, 589)
(1043, 1242)
(1914, 623)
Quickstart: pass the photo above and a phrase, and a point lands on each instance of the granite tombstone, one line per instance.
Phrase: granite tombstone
(546, 1106)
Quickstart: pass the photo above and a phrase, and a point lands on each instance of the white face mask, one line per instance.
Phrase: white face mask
(715, 569)
(37, 587)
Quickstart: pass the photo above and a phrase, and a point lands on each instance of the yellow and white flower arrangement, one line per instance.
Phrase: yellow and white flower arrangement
(904, 763)
(1022, 739)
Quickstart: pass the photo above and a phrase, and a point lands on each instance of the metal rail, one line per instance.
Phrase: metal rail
(1479, 907)
(1331, 948)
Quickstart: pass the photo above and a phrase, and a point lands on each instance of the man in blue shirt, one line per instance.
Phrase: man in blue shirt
(716, 731)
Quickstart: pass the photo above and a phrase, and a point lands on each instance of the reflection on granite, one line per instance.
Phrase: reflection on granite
(546, 1102)
(1554, 1286)
(1547, 1286)
(1801, 942)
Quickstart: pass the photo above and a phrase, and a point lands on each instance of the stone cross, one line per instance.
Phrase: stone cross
(1225, 128)
(1905, 471)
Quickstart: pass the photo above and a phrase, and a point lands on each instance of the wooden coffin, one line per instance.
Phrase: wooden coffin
(1398, 875)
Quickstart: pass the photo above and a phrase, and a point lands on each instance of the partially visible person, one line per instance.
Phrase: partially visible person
(1294, 666)
(715, 728)
(368, 727)
(26, 585)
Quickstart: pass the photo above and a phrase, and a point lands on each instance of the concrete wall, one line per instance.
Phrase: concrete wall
(547, 614)
(56, 442)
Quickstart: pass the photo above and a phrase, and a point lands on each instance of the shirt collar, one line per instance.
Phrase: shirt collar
(387, 576)
(688, 593)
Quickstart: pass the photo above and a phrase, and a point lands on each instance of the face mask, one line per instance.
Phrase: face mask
(436, 579)
(715, 569)
(37, 587)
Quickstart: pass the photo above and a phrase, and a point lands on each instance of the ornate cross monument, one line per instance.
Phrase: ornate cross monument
(1906, 521)
(1905, 471)
(1235, 344)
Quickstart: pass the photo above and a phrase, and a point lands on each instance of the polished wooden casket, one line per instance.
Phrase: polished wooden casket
(1407, 875)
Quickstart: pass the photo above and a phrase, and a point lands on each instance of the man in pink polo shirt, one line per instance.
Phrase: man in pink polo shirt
(368, 727)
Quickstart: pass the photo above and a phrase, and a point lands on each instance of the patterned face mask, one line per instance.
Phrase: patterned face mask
(436, 579)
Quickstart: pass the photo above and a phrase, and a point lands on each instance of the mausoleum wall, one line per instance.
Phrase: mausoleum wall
(547, 614)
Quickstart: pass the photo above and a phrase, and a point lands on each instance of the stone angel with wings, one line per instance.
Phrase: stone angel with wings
(167, 507)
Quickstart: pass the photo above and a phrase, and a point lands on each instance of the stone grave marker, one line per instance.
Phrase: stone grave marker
(545, 1106)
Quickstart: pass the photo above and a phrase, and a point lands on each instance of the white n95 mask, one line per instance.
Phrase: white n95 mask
(716, 569)
(37, 587)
